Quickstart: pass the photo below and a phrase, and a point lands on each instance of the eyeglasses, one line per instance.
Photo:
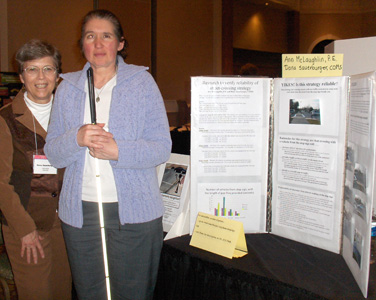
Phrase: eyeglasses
(34, 71)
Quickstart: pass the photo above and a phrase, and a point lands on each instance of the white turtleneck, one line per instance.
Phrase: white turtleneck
(41, 112)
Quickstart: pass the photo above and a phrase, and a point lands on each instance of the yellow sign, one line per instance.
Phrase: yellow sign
(219, 235)
(312, 65)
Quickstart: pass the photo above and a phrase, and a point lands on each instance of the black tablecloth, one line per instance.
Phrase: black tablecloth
(274, 268)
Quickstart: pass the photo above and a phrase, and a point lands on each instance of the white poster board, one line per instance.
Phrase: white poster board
(359, 55)
(229, 149)
(308, 159)
(360, 176)
(323, 162)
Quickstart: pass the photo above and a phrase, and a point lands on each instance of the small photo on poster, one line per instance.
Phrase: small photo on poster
(305, 112)
(350, 158)
(349, 195)
(348, 223)
(358, 247)
(360, 205)
(360, 178)
(173, 179)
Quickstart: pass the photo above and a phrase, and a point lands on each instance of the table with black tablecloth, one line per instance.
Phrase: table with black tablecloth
(274, 268)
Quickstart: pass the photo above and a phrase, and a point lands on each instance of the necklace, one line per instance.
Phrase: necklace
(97, 99)
(99, 91)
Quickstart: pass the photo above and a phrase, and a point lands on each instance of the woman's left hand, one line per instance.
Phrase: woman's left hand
(110, 150)
(31, 244)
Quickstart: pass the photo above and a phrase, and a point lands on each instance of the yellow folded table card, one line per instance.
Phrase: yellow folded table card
(219, 235)
(312, 65)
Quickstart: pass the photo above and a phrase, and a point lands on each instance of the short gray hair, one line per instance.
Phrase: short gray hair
(35, 49)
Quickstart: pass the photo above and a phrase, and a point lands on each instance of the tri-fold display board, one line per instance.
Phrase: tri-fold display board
(291, 156)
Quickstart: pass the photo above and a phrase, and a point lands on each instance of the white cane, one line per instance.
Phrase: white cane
(90, 79)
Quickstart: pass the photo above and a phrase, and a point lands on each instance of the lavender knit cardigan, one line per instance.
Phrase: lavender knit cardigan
(139, 124)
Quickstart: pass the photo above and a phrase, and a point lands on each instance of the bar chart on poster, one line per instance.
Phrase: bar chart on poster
(229, 212)
(233, 201)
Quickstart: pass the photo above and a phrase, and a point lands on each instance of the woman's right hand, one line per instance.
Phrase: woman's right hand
(31, 243)
(92, 136)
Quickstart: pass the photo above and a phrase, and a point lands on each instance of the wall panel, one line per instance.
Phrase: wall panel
(55, 21)
(135, 17)
(184, 45)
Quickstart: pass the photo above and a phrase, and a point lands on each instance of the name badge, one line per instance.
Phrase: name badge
(41, 165)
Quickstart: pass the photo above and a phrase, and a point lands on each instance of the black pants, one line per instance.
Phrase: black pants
(133, 252)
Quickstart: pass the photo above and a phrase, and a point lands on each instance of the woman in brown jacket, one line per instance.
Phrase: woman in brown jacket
(29, 186)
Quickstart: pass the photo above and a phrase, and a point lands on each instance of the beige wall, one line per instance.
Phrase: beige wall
(184, 45)
(59, 23)
(55, 21)
(261, 28)
(257, 27)
(317, 27)
(369, 24)
(135, 17)
(188, 34)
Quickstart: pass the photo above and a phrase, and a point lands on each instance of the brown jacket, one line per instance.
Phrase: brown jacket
(28, 201)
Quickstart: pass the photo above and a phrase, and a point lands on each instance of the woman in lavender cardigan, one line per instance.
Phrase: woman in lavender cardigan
(130, 139)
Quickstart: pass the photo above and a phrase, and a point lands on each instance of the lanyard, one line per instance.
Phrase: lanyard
(35, 136)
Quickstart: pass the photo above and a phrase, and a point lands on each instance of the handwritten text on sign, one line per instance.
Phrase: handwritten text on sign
(312, 65)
